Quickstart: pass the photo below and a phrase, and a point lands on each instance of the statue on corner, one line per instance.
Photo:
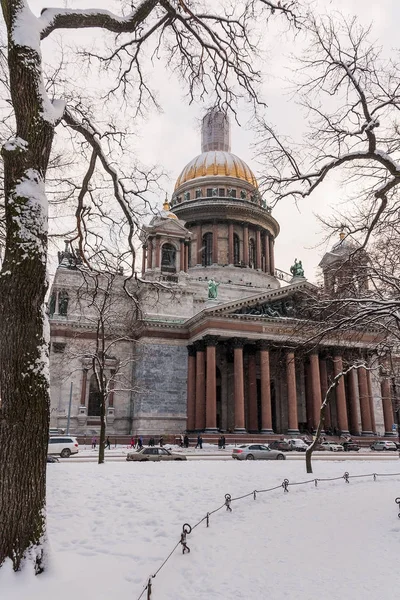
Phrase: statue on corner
(297, 269)
(212, 289)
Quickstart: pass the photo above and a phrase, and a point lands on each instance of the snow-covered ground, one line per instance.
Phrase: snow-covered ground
(111, 526)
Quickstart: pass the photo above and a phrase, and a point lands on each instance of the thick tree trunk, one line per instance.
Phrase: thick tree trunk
(24, 386)
(102, 441)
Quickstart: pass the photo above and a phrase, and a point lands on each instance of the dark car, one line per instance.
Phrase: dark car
(52, 459)
(350, 447)
(281, 445)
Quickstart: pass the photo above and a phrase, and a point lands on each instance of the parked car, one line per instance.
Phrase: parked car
(298, 445)
(154, 454)
(350, 447)
(384, 445)
(282, 445)
(64, 445)
(257, 452)
(331, 446)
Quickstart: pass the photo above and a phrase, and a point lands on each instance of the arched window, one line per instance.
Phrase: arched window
(168, 258)
(94, 408)
(206, 250)
(252, 253)
(236, 249)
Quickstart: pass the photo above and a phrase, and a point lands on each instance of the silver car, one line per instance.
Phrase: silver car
(257, 452)
(154, 454)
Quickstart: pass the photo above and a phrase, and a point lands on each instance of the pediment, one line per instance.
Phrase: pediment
(168, 227)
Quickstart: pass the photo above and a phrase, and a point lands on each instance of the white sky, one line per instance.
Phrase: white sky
(172, 138)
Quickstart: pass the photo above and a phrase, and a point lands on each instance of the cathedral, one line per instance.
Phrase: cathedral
(221, 338)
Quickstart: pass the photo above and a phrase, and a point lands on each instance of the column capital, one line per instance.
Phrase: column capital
(199, 345)
(211, 340)
(237, 342)
(191, 350)
(263, 345)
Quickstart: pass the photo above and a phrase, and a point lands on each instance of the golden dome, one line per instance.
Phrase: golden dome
(216, 163)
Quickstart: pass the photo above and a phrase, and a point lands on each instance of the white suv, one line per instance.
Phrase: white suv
(64, 445)
(383, 445)
(298, 445)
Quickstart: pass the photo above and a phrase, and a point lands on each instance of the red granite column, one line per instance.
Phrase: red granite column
(252, 392)
(293, 422)
(353, 397)
(239, 385)
(364, 402)
(246, 245)
(186, 256)
(83, 387)
(182, 256)
(230, 244)
(191, 389)
(215, 244)
(258, 249)
(271, 256)
(388, 416)
(111, 391)
(371, 401)
(340, 396)
(266, 251)
(211, 384)
(144, 247)
(315, 388)
(323, 373)
(266, 412)
(150, 254)
(309, 400)
(200, 421)
(158, 253)
(199, 243)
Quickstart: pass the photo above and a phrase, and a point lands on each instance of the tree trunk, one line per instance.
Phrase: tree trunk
(24, 385)
(102, 441)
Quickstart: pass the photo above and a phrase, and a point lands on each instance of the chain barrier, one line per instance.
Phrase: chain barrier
(188, 529)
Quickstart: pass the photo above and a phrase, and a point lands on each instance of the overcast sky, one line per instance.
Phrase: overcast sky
(172, 138)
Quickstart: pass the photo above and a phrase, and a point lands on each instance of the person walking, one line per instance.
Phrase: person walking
(161, 441)
(140, 442)
(108, 444)
(94, 442)
(199, 442)
(223, 442)
(186, 441)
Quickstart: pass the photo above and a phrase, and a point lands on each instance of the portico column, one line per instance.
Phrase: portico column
(266, 252)
(258, 249)
(191, 389)
(371, 401)
(315, 388)
(340, 395)
(158, 253)
(309, 398)
(387, 405)
(83, 387)
(271, 256)
(230, 244)
(182, 255)
(215, 244)
(364, 402)
(200, 411)
(246, 245)
(252, 391)
(111, 392)
(199, 245)
(238, 344)
(266, 412)
(323, 373)
(211, 384)
(353, 397)
(144, 247)
(186, 257)
(150, 255)
(293, 422)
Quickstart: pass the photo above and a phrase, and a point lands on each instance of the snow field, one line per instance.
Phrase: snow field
(112, 526)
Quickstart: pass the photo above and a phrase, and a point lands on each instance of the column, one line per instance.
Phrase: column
(266, 252)
(238, 344)
(191, 389)
(186, 257)
(182, 255)
(309, 401)
(353, 401)
(371, 401)
(83, 387)
(215, 243)
(230, 244)
(388, 416)
(158, 253)
(293, 422)
(252, 392)
(271, 256)
(315, 389)
(111, 392)
(246, 245)
(266, 412)
(198, 245)
(258, 249)
(366, 424)
(211, 384)
(57, 303)
(144, 247)
(340, 396)
(150, 254)
(323, 373)
(200, 411)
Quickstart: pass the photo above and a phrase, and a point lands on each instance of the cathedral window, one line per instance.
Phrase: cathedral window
(252, 253)
(186, 196)
(236, 249)
(222, 192)
(63, 303)
(95, 398)
(198, 193)
(231, 193)
(206, 250)
(209, 192)
(168, 258)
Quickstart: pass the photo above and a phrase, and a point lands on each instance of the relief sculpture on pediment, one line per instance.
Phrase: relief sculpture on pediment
(278, 309)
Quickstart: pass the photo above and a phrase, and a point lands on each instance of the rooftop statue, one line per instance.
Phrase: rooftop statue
(212, 289)
(297, 269)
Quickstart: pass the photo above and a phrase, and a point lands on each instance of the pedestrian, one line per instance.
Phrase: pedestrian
(199, 442)
(108, 444)
(140, 442)
(181, 438)
(186, 441)
(133, 442)
(161, 441)
(94, 442)
(219, 443)
(223, 442)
